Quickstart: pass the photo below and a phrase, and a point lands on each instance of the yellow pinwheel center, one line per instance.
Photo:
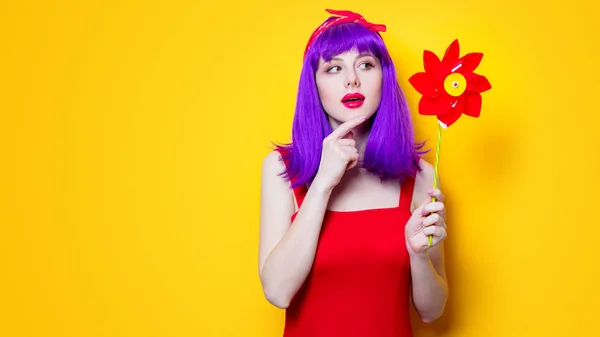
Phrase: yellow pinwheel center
(455, 84)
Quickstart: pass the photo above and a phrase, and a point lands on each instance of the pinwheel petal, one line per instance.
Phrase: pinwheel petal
(472, 104)
(477, 83)
(431, 106)
(469, 62)
(431, 62)
(424, 84)
(452, 114)
(452, 53)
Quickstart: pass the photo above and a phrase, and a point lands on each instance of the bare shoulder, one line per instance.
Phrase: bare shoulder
(427, 173)
(272, 162)
(273, 183)
(423, 183)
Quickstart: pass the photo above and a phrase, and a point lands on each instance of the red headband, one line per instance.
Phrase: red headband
(346, 16)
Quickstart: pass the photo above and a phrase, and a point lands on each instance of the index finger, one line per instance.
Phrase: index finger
(343, 129)
(436, 193)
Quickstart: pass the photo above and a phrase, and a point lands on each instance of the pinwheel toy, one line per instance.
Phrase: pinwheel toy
(449, 88)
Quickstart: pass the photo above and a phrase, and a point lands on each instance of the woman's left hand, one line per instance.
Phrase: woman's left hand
(428, 219)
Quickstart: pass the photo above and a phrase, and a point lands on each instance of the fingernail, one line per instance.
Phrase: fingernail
(430, 191)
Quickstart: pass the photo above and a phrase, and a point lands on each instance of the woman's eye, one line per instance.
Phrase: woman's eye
(366, 65)
(333, 68)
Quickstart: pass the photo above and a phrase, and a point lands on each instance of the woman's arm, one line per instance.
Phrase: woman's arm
(429, 282)
(429, 285)
(287, 251)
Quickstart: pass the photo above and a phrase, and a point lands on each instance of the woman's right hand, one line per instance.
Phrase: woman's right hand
(339, 153)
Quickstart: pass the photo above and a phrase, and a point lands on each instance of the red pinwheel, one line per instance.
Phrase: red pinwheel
(450, 87)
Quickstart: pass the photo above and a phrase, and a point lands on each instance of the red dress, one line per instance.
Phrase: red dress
(359, 284)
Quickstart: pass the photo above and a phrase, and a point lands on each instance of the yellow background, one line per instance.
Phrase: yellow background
(132, 135)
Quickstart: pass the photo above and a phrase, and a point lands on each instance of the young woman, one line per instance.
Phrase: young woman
(346, 208)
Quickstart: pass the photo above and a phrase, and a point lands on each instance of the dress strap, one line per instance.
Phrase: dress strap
(299, 192)
(406, 193)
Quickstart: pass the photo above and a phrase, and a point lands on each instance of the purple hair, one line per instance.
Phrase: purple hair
(390, 151)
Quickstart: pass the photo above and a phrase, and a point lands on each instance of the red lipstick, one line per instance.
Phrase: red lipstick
(353, 100)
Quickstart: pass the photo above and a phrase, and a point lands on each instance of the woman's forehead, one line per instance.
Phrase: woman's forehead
(348, 55)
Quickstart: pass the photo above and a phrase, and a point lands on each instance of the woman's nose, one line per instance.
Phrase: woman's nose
(352, 80)
(352, 83)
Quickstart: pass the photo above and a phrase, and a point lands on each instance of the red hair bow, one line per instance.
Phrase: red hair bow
(344, 16)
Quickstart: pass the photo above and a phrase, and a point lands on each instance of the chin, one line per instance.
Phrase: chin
(348, 114)
(368, 115)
